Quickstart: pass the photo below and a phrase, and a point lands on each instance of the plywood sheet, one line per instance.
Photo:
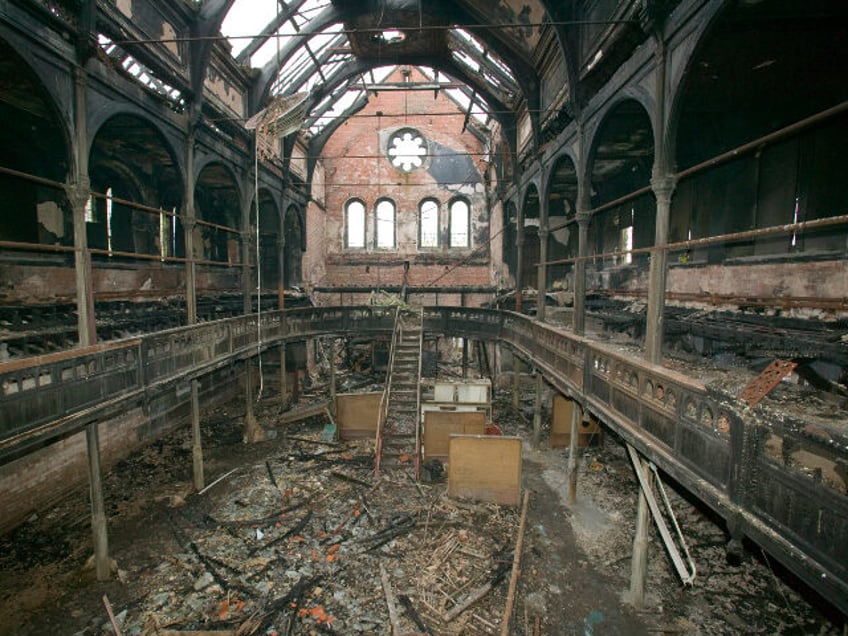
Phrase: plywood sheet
(440, 425)
(485, 468)
(563, 408)
(357, 414)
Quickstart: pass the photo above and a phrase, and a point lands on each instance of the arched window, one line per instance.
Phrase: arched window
(385, 224)
(428, 223)
(354, 229)
(460, 223)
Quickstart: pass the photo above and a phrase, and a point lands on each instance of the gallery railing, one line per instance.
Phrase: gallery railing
(779, 480)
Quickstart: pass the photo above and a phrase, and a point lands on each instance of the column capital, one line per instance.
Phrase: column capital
(663, 186)
(78, 193)
(583, 217)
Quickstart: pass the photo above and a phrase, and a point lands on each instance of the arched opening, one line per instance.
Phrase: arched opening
(269, 236)
(216, 199)
(510, 238)
(622, 162)
(131, 161)
(562, 235)
(733, 94)
(531, 250)
(33, 141)
(294, 248)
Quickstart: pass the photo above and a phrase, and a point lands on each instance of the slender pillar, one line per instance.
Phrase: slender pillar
(189, 228)
(573, 449)
(102, 562)
(579, 317)
(543, 270)
(519, 251)
(537, 409)
(333, 376)
(639, 564)
(516, 381)
(252, 431)
(78, 195)
(197, 439)
(662, 184)
(281, 305)
(464, 358)
(663, 189)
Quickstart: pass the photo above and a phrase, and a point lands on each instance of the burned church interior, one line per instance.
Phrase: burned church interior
(423, 317)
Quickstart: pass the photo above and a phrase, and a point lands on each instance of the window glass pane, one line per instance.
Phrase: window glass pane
(355, 224)
(429, 224)
(385, 224)
(459, 218)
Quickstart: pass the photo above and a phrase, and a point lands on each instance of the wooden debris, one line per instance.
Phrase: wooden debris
(111, 615)
(413, 614)
(220, 479)
(771, 376)
(516, 560)
(390, 601)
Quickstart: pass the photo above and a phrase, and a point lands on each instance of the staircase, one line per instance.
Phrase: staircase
(397, 440)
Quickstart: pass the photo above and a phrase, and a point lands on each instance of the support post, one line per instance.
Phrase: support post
(537, 409)
(641, 540)
(662, 184)
(189, 228)
(576, 419)
(252, 431)
(516, 381)
(663, 189)
(464, 358)
(519, 267)
(78, 195)
(197, 439)
(543, 269)
(281, 305)
(579, 316)
(102, 562)
(333, 376)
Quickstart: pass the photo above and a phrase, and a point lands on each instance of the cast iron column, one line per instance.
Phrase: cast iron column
(79, 194)
(102, 562)
(663, 188)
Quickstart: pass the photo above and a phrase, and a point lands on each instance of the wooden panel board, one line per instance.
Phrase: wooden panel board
(485, 468)
(440, 425)
(356, 414)
(563, 408)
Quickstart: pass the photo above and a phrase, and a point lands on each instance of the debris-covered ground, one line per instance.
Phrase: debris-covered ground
(297, 537)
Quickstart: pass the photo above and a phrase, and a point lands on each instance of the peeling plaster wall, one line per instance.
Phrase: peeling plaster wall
(225, 93)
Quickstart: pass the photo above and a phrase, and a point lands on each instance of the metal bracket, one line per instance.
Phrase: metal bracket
(685, 570)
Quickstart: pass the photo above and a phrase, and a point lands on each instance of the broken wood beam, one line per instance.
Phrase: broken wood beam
(348, 478)
(301, 413)
(111, 615)
(516, 560)
(390, 601)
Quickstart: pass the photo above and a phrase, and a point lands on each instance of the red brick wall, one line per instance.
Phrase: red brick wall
(356, 165)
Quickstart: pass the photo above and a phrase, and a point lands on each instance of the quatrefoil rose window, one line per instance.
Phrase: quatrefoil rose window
(407, 149)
